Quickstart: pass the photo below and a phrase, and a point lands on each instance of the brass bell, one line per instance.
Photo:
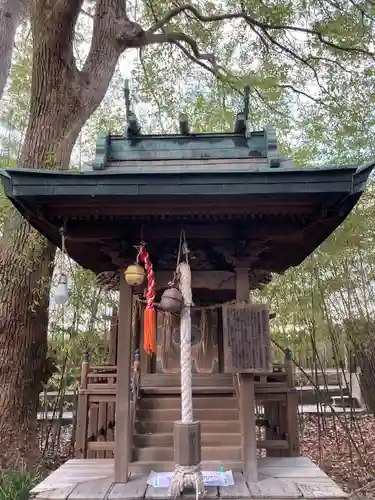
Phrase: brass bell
(134, 275)
(171, 300)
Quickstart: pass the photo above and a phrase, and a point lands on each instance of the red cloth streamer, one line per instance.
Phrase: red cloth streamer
(149, 327)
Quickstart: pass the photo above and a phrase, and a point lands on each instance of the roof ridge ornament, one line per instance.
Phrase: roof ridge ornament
(241, 124)
(132, 126)
(243, 147)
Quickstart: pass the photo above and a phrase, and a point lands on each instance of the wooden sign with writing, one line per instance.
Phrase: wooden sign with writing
(247, 343)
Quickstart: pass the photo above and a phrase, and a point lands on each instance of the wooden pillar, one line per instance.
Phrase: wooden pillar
(113, 338)
(247, 396)
(292, 422)
(82, 413)
(124, 341)
(288, 361)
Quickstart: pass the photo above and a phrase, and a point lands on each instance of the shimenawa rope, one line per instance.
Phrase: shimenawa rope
(186, 476)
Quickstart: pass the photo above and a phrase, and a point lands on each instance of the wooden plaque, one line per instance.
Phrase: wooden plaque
(247, 342)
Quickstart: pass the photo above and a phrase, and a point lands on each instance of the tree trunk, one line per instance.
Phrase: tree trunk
(62, 99)
(26, 266)
(11, 14)
(25, 274)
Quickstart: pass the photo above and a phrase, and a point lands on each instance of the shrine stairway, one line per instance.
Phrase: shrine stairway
(214, 406)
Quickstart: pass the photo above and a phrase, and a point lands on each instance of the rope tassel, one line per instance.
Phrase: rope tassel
(149, 343)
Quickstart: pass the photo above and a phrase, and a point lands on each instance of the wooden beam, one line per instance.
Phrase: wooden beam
(140, 208)
(211, 280)
(215, 280)
(279, 228)
(242, 284)
(247, 396)
(124, 342)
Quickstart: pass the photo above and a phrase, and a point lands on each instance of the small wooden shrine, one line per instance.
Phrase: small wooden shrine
(246, 212)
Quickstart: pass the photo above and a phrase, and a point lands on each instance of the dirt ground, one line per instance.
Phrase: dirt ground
(342, 447)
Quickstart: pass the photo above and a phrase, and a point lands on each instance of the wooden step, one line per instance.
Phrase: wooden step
(163, 454)
(270, 444)
(199, 402)
(205, 379)
(224, 389)
(207, 439)
(144, 467)
(154, 427)
(174, 380)
(175, 414)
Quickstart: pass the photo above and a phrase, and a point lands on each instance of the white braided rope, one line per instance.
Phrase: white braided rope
(185, 334)
(186, 476)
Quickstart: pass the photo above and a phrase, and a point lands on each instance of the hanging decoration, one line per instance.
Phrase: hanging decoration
(62, 293)
(167, 332)
(171, 300)
(134, 274)
(149, 314)
(204, 328)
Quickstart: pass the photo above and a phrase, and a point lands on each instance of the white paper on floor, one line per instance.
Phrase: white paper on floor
(210, 478)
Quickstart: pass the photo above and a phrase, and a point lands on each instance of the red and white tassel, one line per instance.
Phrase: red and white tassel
(149, 314)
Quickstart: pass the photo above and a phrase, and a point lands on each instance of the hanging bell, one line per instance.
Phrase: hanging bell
(62, 292)
(134, 275)
(171, 300)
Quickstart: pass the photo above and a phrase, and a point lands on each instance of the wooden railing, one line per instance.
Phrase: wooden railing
(276, 407)
(274, 392)
(95, 435)
(135, 392)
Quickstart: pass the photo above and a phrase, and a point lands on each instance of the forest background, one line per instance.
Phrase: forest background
(311, 70)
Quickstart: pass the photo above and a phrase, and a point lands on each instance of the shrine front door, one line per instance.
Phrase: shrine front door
(205, 342)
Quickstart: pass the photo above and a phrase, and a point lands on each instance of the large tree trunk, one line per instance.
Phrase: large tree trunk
(62, 99)
(26, 265)
(25, 273)
(11, 14)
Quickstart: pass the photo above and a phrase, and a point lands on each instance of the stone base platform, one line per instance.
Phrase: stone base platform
(279, 478)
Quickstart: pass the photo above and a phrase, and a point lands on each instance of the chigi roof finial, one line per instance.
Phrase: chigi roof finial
(132, 127)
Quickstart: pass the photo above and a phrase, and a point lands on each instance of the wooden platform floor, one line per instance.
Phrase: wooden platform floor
(279, 478)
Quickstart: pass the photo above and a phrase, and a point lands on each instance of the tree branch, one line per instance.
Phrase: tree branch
(83, 11)
(241, 15)
(301, 92)
(197, 57)
(113, 32)
(210, 69)
(298, 58)
(175, 36)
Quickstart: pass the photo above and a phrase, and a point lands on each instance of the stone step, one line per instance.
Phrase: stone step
(345, 401)
(308, 395)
